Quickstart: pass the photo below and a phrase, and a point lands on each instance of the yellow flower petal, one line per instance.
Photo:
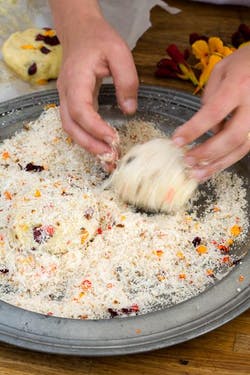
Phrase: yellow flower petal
(244, 44)
(215, 45)
(227, 51)
(201, 50)
(213, 60)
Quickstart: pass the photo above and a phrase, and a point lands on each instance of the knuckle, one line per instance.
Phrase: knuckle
(75, 112)
(67, 127)
(235, 139)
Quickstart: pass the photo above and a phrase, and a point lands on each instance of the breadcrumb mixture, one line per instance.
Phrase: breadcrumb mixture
(70, 248)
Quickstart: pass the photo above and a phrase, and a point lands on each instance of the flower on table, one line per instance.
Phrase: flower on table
(206, 51)
(176, 66)
(209, 53)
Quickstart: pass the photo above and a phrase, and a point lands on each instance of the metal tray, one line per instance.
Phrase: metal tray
(220, 303)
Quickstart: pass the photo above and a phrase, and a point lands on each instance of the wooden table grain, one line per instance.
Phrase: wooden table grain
(225, 351)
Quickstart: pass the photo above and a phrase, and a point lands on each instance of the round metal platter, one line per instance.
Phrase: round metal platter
(217, 305)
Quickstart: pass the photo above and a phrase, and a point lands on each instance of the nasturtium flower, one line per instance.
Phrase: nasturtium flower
(207, 51)
(177, 66)
(200, 50)
(213, 60)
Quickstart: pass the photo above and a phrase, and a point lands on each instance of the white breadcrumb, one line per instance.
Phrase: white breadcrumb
(69, 248)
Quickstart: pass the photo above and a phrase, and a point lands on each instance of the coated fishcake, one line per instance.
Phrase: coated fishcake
(153, 176)
(34, 55)
(45, 220)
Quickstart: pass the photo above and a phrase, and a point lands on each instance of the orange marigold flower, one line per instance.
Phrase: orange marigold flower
(5, 155)
(235, 230)
(201, 249)
(182, 276)
(7, 195)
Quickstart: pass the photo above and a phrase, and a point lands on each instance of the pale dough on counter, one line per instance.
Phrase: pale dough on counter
(34, 55)
(153, 176)
(38, 220)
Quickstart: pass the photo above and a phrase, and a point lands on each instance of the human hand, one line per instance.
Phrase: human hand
(92, 50)
(226, 93)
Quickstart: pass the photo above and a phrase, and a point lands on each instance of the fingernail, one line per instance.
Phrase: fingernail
(108, 139)
(129, 105)
(190, 161)
(203, 163)
(198, 174)
(179, 141)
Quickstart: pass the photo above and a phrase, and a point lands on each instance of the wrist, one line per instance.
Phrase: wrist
(71, 17)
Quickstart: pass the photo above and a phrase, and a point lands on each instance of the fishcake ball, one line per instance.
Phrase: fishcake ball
(153, 176)
(34, 55)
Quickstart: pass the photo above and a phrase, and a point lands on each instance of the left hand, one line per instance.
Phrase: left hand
(227, 93)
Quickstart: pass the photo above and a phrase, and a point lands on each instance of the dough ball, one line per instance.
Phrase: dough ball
(153, 176)
(45, 220)
(34, 55)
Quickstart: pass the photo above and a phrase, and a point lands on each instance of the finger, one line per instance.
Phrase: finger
(202, 174)
(79, 135)
(210, 115)
(214, 82)
(96, 93)
(125, 78)
(80, 103)
(233, 135)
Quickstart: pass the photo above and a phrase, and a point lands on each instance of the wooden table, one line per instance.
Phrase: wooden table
(225, 351)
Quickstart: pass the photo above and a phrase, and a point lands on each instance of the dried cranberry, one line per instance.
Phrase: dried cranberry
(32, 69)
(45, 50)
(196, 241)
(30, 167)
(4, 270)
(88, 214)
(224, 249)
(38, 234)
(40, 37)
(126, 311)
(113, 313)
(50, 40)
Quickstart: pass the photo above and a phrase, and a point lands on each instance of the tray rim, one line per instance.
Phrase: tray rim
(23, 331)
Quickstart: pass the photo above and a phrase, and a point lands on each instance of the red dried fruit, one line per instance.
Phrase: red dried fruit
(32, 69)
(45, 50)
(50, 40)
(30, 167)
(224, 249)
(38, 234)
(43, 234)
(4, 270)
(196, 241)
(88, 214)
(113, 313)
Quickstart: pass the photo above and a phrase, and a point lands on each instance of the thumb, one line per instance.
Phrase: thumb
(125, 78)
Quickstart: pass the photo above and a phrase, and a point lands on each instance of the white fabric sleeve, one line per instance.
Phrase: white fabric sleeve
(228, 2)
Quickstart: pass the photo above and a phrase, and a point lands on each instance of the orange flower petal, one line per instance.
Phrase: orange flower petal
(215, 45)
(200, 49)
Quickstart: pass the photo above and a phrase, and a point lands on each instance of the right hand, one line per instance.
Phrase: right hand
(92, 50)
